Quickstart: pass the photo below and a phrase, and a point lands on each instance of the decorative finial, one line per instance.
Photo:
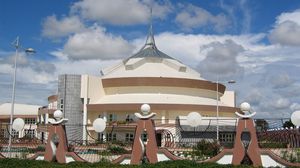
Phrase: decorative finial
(150, 38)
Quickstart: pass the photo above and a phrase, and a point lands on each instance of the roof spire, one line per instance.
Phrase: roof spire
(150, 49)
(150, 42)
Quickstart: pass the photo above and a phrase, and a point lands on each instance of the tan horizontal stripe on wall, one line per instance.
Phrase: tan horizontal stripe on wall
(18, 116)
(161, 81)
(136, 107)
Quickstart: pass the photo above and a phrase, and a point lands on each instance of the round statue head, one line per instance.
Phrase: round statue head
(245, 107)
(99, 125)
(58, 115)
(145, 109)
(295, 118)
(194, 119)
(18, 124)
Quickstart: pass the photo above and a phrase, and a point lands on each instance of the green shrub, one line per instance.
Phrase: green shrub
(205, 149)
(117, 149)
(105, 153)
(272, 145)
(17, 163)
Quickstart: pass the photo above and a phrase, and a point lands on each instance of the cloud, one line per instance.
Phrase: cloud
(90, 67)
(286, 33)
(239, 14)
(295, 106)
(289, 16)
(291, 92)
(281, 80)
(254, 97)
(120, 12)
(221, 59)
(21, 60)
(160, 9)
(287, 29)
(246, 22)
(281, 103)
(54, 28)
(187, 47)
(29, 74)
(24, 61)
(29, 93)
(59, 55)
(192, 17)
(96, 43)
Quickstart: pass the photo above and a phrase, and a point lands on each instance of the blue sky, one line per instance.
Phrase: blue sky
(254, 42)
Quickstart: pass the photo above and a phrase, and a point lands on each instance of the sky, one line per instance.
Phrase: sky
(256, 43)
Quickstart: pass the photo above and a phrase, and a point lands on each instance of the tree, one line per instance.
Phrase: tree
(261, 125)
(288, 124)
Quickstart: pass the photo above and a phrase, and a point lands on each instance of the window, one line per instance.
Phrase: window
(14, 133)
(29, 133)
(112, 117)
(129, 137)
(100, 137)
(111, 137)
(168, 136)
(3, 133)
(30, 120)
(61, 104)
(130, 117)
(226, 137)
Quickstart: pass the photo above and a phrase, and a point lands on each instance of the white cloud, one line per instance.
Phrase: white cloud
(254, 97)
(295, 106)
(286, 33)
(120, 12)
(289, 16)
(30, 75)
(221, 60)
(160, 9)
(281, 103)
(21, 60)
(54, 28)
(246, 21)
(281, 80)
(193, 17)
(91, 67)
(239, 14)
(188, 47)
(287, 29)
(96, 43)
(24, 61)
(59, 55)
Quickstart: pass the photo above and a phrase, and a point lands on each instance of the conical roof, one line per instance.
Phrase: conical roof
(150, 49)
(150, 62)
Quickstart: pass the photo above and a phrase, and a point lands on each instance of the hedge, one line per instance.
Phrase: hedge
(17, 163)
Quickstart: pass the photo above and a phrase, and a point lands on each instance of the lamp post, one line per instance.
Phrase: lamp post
(29, 50)
(230, 82)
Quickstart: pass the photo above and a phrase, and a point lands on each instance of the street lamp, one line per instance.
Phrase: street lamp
(230, 82)
(17, 46)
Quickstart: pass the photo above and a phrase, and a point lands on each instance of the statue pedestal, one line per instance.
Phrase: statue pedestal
(56, 147)
(246, 125)
(140, 149)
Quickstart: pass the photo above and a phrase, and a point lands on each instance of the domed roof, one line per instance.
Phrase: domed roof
(150, 62)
